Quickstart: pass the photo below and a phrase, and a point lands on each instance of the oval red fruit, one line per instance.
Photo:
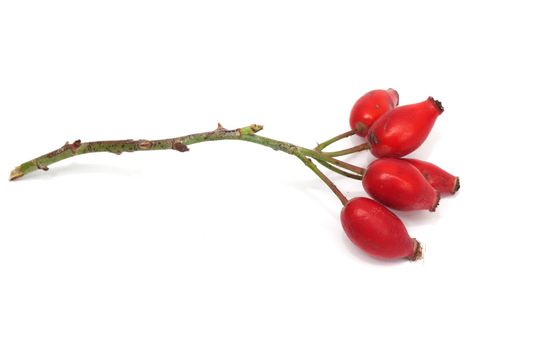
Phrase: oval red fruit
(399, 185)
(441, 180)
(403, 129)
(377, 231)
(371, 106)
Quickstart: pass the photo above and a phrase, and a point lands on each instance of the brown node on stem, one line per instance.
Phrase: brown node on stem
(74, 146)
(256, 128)
(180, 147)
(144, 144)
(67, 146)
(42, 167)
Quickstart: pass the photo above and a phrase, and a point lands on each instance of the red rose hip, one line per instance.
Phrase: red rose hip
(399, 185)
(441, 180)
(403, 129)
(377, 231)
(371, 106)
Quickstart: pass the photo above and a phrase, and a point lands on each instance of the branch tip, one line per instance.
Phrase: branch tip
(15, 173)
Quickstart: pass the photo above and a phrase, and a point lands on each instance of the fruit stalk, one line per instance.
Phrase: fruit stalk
(355, 149)
(331, 141)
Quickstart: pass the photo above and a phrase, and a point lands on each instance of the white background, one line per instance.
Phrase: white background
(235, 246)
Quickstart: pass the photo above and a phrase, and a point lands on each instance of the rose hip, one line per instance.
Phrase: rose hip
(441, 180)
(371, 106)
(378, 231)
(399, 185)
(403, 129)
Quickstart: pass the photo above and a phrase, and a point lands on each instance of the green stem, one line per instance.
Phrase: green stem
(322, 156)
(308, 162)
(118, 147)
(340, 171)
(180, 144)
(358, 148)
(334, 139)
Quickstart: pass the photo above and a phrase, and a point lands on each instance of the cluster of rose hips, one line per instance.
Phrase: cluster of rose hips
(392, 181)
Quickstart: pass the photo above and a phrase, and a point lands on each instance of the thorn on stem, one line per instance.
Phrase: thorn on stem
(42, 167)
(180, 147)
(256, 128)
(74, 146)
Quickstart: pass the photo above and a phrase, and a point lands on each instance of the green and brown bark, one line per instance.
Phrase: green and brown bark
(248, 133)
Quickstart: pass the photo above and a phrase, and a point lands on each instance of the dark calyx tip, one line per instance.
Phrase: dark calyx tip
(457, 184)
(418, 251)
(373, 140)
(433, 208)
(437, 103)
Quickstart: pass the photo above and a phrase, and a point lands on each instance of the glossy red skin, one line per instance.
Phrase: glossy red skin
(377, 231)
(399, 185)
(441, 180)
(403, 129)
(371, 106)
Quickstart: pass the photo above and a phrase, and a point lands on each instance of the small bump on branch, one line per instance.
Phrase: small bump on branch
(180, 147)
(74, 146)
(42, 167)
(145, 144)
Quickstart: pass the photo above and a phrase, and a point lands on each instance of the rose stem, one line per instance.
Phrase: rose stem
(355, 149)
(180, 144)
(340, 171)
(334, 139)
